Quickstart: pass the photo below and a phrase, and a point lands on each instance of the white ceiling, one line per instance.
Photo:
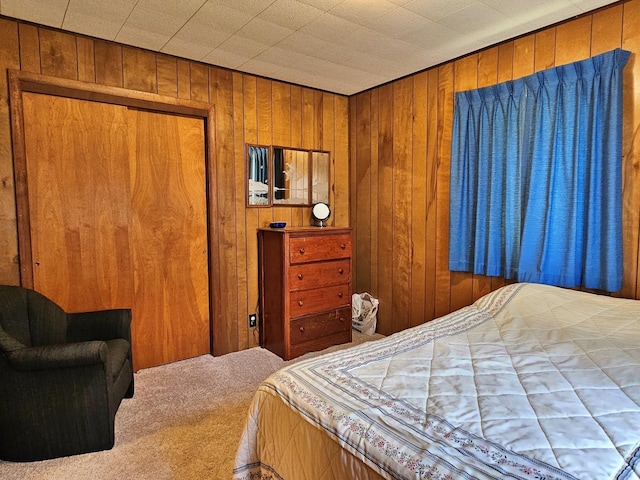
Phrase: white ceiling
(342, 46)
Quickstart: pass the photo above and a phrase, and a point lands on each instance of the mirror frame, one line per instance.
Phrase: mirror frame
(271, 191)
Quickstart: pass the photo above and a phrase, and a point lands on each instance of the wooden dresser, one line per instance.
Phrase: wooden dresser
(305, 289)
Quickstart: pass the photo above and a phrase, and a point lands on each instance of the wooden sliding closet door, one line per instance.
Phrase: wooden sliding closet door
(78, 183)
(117, 214)
(169, 236)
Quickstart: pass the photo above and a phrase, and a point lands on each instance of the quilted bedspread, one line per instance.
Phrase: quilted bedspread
(529, 382)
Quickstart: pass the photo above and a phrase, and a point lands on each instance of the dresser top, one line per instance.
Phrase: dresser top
(308, 230)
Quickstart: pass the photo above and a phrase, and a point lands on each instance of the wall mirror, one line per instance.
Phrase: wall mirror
(286, 176)
(258, 175)
(290, 176)
(320, 177)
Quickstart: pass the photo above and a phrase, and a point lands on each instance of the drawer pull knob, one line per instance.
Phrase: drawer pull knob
(343, 246)
(342, 319)
(302, 329)
(299, 276)
(341, 271)
(302, 251)
(340, 295)
(300, 302)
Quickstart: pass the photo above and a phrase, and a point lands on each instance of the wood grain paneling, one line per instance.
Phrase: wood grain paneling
(252, 219)
(86, 59)
(524, 56)
(328, 140)
(58, 54)
(140, 70)
(443, 141)
(245, 337)
(199, 75)
(281, 101)
(308, 119)
(184, 79)
(222, 96)
(385, 209)
(9, 58)
(353, 114)
(109, 67)
(573, 40)
(362, 201)
(248, 110)
(402, 211)
(29, 48)
(340, 162)
(545, 52)
(431, 196)
(167, 75)
(418, 194)
(505, 62)
(606, 31)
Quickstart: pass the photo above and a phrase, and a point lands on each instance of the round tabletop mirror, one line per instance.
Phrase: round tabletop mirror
(320, 212)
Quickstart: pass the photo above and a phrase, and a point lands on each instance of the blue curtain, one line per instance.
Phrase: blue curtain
(536, 177)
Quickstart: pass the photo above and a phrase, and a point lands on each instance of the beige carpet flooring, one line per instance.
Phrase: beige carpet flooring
(184, 422)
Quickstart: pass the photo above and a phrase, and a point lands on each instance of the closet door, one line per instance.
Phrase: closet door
(78, 185)
(117, 215)
(169, 236)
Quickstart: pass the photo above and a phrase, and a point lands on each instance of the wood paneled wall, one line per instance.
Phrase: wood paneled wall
(400, 141)
(248, 110)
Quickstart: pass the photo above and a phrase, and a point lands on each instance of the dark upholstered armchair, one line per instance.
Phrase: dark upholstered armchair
(62, 376)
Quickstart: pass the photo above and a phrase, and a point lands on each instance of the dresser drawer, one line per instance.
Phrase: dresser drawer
(321, 274)
(313, 327)
(315, 248)
(304, 302)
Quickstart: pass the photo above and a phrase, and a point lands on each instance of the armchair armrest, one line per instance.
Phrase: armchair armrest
(100, 325)
(58, 356)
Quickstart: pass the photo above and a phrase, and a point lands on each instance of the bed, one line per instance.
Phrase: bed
(529, 382)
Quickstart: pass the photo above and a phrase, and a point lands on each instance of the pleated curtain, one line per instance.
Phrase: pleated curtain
(536, 177)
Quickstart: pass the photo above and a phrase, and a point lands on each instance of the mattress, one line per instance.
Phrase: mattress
(529, 382)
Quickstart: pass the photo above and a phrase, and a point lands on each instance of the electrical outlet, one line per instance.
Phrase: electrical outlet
(253, 320)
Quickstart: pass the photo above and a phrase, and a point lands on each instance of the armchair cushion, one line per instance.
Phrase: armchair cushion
(103, 325)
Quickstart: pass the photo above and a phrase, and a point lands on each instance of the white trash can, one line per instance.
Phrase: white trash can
(364, 313)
